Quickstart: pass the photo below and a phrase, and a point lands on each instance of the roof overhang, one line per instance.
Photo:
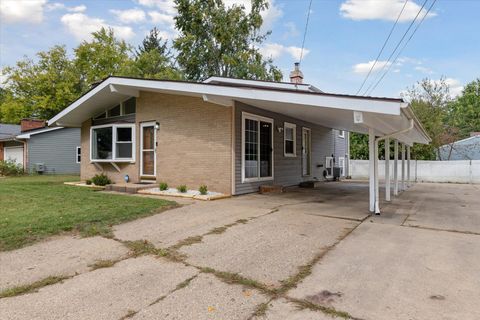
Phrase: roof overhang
(27, 135)
(384, 115)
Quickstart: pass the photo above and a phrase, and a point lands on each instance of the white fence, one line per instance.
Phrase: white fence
(457, 171)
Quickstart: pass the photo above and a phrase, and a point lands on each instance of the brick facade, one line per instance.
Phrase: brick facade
(194, 143)
(2, 157)
(31, 124)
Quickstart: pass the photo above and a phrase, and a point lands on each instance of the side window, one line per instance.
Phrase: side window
(290, 139)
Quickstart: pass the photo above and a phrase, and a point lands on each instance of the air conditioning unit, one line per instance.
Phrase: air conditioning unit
(40, 167)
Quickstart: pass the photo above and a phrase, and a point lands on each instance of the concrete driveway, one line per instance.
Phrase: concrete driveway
(304, 254)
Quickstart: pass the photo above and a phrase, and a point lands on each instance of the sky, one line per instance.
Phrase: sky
(342, 41)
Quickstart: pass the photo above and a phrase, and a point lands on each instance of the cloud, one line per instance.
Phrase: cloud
(162, 18)
(60, 6)
(275, 50)
(364, 68)
(134, 15)
(455, 85)
(167, 6)
(81, 26)
(381, 10)
(29, 11)
(292, 30)
(424, 70)
(269, 16)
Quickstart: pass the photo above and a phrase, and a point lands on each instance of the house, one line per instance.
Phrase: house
(465, 149)
(41, 149)
(232, 135)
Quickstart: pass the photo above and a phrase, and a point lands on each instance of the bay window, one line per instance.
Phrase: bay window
(114, 143)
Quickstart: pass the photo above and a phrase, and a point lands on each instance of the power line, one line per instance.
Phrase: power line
(383, 47)
(399, 43)
(401, 50)
(305, 31)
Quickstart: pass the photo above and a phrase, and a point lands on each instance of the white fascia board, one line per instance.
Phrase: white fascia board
(29, 134)
(260, 83)
(293, 98)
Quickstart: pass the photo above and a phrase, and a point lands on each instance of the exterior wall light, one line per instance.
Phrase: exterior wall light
(126, 178)
(279, 129)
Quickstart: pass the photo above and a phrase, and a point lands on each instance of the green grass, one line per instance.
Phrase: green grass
(35, 207)
(16, 291)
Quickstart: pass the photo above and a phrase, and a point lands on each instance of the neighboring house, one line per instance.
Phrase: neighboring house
(41, 149)
(466, 149)
(232, 135)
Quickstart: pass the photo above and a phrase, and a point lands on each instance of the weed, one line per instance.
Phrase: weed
(33, 287)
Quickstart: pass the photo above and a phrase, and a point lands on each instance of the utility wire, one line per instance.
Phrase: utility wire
(398, 44)
(305, 31)
(383, 47)
(401, 50)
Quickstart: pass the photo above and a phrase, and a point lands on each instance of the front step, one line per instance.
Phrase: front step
(129, 187)
(310, 184)
(272, 189)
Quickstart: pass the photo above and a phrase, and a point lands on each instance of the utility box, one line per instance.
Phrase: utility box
(336, 173)
(40, 168)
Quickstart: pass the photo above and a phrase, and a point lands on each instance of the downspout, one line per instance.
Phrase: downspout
(390, 135)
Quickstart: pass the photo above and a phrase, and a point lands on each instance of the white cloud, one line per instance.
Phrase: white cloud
(60, 6)
(29, 11)
(275, 50)
(292, 30)
(134, 15)
(80, 8)
(364, 68)
(81, 26)
(162, 18)
(455, 85)
(167, 6)
(424, 70)
(381, 10)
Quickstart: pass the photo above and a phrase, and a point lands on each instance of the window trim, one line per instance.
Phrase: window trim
(342, 135)
(122, 110)
(78, 154)
(294, 127)
(251, 116)
(342, 167)
(114, 143)
(327, 165)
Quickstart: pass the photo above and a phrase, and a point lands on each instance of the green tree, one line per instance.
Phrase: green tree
(465, 113)
(153, 59)
(101, 57)
(39, 89)
(218, 41)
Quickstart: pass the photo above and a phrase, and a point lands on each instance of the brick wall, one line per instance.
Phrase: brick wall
(194, 143)
(1, 151)
(30, 124)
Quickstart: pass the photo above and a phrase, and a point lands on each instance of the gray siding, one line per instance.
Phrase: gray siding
(287, 171)
(56, 149)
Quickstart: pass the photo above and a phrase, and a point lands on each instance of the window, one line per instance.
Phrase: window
(125, 108)
(290, 139)
(257, 148)
(79, 155)
(341, 164)
(341, 133)
(113, 143)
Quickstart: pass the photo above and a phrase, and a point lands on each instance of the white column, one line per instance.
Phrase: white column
(395, 169)
(387, 169)
(377, 188)
(371, 168)
(408, 167)
(402, 185)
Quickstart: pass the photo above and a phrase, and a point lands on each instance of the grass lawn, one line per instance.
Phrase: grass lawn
(35, 207)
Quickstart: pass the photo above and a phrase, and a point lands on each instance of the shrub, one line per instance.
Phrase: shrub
(203, 189)
(182, 188)
(163, 186)
(101, 180)
(10, 168)
(88, 182)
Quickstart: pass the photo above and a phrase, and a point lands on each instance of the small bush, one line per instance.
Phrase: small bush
(10, 168)
(163, 186)
(101, 180)
(182, 188)
(203, 189)
(88, 182)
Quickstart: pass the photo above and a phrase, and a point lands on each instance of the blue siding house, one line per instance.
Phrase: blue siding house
(466, 149)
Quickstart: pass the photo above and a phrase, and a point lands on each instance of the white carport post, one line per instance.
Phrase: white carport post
(395, 169)
(408, 166)
(377, 191)
(387, 169)
(402, 185)
(371, 167)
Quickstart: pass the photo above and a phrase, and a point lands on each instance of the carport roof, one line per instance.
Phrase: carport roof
(339, 111)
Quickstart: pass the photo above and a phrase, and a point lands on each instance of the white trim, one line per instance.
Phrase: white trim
(76, 154)
(233, 146)
(292, 126)
(342, 167)
(342, 135)
(114, 143)
(27, 135)
(142, 125)
(329, 164)
(306, 129)
(246, 115)
(264, 84)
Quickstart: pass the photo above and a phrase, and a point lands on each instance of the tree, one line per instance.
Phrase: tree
(101, 57)
(218, 41)
(465, 113)
(39, 89)
(153, 59)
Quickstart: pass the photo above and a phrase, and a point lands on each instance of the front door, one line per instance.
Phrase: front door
(148, 144)
(306, 152)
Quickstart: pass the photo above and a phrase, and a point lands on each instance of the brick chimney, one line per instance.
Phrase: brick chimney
(296, 76)
(31, 124)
